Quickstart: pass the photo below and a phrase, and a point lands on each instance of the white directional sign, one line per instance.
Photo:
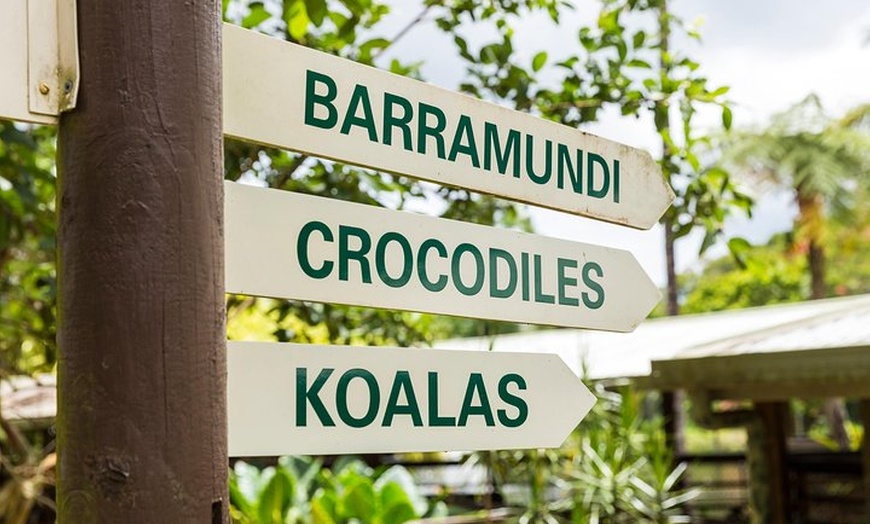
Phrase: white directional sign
(38, 59)
(305, 399)
(286, 245)
(14, 83)
(288, 96)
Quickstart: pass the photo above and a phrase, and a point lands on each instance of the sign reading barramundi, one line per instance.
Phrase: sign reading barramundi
(289, 96)
(422, 128)
(286, 245)
(304, 399)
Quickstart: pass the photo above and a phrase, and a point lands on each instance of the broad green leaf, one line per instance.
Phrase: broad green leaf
(726, 117)
(399, 513)
(359, 500)
(277, 498)
(709, 239)
(638, 39)
(238, 499)
(739, 248)
(539, 61)
(316, 11)
(256, 16)
(400, 478)
(296, 18)
(369, 47)
(323, 509)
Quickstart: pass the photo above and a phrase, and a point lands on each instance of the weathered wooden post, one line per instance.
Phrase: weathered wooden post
(142, 372)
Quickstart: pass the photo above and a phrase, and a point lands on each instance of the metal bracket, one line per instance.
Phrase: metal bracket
(53, 56)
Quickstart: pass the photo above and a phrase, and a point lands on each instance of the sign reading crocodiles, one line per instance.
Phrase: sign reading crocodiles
(289, 96)
(286, 245)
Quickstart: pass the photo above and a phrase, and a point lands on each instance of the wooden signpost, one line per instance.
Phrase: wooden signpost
(142, 414)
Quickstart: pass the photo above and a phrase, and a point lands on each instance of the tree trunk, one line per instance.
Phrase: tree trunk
(663, 126)
(142, 370)
(809, 231)
(816, 261)
(810, 225)
(670, 261)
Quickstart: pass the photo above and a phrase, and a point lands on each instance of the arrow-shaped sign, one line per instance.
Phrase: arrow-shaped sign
(286, 245)
(285, 95)
(305, 399)
(289, 96)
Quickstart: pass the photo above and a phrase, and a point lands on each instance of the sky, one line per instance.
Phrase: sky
(772, 53)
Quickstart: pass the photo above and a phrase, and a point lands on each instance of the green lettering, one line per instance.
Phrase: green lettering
(565, 164)
(566, 281)
(456, 266)
(381, 259)
(475, 384)
(495, 255)
(312, 99)
(360, 98)
(345, 253)
(304, 395)
(593, 285)
(428, 244)
(391, 121)
(436, 420)
(616, 181)
(540, 296)
(591, 160)
(530, 160)
(425, 130)
(302, 249)
(402, 382)
(491, 145)
(512, 400)
(524, 262)
(341, 398)
(469, 148)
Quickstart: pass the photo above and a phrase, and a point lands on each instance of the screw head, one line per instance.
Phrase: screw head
(43, 88)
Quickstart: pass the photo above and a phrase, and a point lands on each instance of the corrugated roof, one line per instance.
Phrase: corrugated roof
(839, 322)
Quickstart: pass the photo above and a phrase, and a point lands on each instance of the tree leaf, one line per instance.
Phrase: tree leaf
(726, 117)
(539, 61)
(316, 11)
(256, 16)
(296, 18)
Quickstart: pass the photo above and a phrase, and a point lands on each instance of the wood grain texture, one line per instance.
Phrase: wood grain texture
(142, 371)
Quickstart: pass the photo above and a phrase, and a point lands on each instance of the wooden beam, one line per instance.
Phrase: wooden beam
(142, 431)
(865, 453)
(766, 457)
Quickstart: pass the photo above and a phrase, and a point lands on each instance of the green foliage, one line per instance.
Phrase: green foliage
(625, 472)
(777, 272)
(768, 276)
(300, 490)
(615, 468)
(27, 246)
(804, 150)
(824, 162)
